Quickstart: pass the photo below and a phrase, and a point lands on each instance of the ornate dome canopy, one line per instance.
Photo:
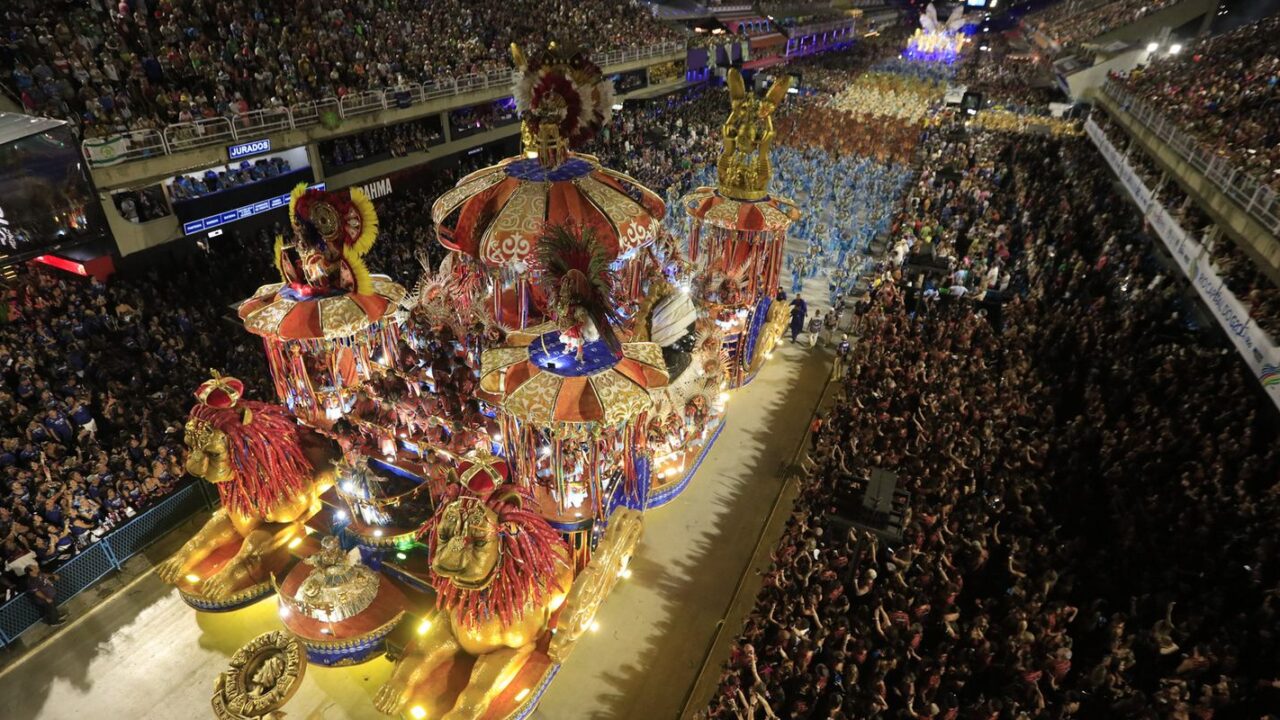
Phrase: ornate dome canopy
(540, 380)
(278, 311)
(496, 213)
(713, 208)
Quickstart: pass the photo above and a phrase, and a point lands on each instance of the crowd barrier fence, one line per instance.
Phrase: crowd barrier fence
(1257, 199)
(109, 554)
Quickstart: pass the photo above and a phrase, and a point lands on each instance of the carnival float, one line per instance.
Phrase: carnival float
(738, 232)
(937, 41)
(456, 475)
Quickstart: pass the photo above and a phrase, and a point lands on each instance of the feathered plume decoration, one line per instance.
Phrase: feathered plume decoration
(561, 84)
(574, 271)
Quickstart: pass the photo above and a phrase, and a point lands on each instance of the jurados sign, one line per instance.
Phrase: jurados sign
(377, 188)
(243, 150)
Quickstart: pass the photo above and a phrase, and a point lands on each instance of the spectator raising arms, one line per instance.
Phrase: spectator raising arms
(1088, 529)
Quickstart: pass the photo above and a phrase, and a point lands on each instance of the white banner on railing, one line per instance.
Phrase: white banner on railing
(106, 151)
(1257, 349)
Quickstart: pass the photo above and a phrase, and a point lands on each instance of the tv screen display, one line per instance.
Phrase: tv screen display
(46, 198)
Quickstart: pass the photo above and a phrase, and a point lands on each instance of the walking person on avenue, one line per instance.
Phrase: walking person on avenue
(815, 328)
(799, 309)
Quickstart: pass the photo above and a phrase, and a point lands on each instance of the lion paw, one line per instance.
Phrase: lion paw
(223, 583)
(171, 570)
(390, 699)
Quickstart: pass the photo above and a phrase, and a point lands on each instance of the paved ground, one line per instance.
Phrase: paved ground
(658, 625)
(144, 654)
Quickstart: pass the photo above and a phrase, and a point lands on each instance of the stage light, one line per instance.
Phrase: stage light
(423, 627)
(339, 515)
(417, 712)
(401, 556)
(617, 106)
(377, 533)
(595, 626)
(1152, 47)
(1175, 48)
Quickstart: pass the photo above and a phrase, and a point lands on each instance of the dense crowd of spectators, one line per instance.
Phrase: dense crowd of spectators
(96, 378)
(1090, 489)
(95, 383)
(147, 63)
(1005, 76)
(830, 73)
(1071, 23)
(1223, 90)
(1257, 292)
(662, 142)
(381, 143)
(187, 187)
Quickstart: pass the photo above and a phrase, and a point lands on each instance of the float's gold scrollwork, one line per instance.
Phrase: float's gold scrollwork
(596, 581)
(775, 324)
(263, 675)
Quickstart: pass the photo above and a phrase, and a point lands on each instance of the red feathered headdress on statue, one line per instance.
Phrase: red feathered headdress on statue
(333, 230)
(564, 86)
(262, 446)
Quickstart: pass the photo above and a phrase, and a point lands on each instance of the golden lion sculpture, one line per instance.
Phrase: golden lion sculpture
(251, 452)
(500, 572)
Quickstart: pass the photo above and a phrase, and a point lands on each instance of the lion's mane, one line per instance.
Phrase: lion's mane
(269, 465)
(527, 570)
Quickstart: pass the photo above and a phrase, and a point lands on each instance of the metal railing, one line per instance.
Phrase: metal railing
(108, 554)
(255, 124)
(820, 27)
(1251, 193)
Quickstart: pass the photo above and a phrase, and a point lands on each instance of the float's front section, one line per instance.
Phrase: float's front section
(456, 476)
